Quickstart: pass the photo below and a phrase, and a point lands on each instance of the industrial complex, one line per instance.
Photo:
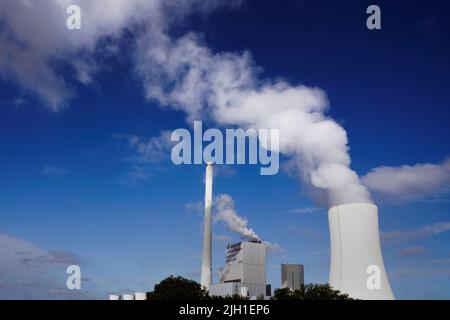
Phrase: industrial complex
(356, 264)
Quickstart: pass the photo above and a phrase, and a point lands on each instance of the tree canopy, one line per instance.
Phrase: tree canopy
(310, 292)
(177, 288)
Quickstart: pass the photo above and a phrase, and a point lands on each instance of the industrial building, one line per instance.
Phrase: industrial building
(292, 276)
(244, 272)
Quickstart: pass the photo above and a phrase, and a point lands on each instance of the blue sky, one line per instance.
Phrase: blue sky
(72, 182)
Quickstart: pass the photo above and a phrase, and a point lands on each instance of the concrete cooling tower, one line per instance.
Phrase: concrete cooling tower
(356, 261)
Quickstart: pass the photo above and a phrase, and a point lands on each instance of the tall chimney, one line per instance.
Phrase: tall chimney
(206, 275)
(357, 266)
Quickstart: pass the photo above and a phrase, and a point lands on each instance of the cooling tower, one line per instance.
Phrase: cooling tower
(356, 261)
(206, 275)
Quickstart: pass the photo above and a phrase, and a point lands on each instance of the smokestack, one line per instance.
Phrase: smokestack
(206, 275)
(356, 261)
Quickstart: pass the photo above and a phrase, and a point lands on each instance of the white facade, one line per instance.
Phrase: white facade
(292, 276)
(245, 265)
(227, 289)
(206, 275)
(356, 261)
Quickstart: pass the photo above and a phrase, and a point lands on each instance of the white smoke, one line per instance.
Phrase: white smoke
(33, 36)
(225, 212)
(226, 89)
(181, 73)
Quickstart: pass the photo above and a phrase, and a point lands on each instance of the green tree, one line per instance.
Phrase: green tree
(178, 288)
(311, 292)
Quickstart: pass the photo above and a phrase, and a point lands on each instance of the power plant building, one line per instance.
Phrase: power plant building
(244, 272)
(292, 276)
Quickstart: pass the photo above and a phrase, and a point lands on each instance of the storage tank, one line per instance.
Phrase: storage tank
(128, 297)
(114, 297)
(140, 296)
(357, 266)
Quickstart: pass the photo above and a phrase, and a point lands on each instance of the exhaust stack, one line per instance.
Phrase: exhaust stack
(206, 275)
(356, 261)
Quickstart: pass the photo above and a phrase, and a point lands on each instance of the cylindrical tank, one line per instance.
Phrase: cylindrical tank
(356, 261)
(114, 297)
(140, 296)
(128, 297)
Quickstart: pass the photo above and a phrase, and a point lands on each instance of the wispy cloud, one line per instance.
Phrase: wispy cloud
(412, 234)
(149, 150)
(309, 232)
(28, 271)
(273, 248)
(146, 157)
(321, 252)
(54, 171)
(301, 211)
(412, 251)
(135, 175)
(438, 268)
(195, 206)
(17, 102)
(224, 171)
(222, 238)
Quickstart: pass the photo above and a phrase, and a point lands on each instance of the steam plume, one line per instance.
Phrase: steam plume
(226, 213)
(226, 88)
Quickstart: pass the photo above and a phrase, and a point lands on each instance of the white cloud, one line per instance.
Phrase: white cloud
(409, 182)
